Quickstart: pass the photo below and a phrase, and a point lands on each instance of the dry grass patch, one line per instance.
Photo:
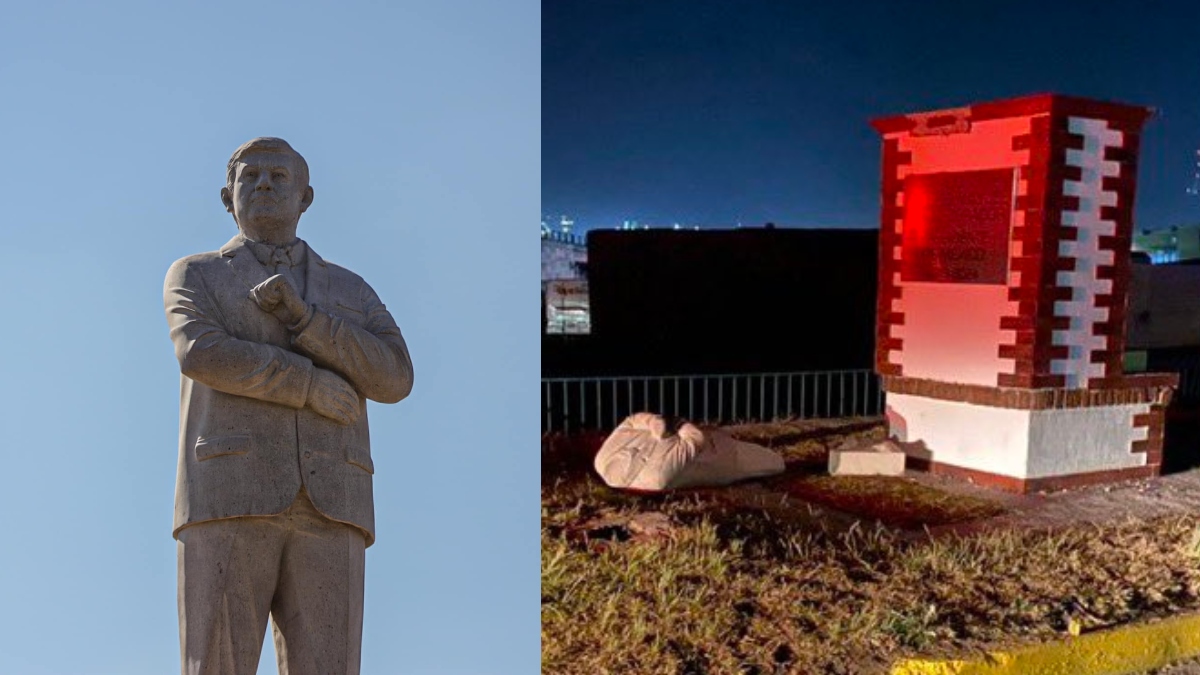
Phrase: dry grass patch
(741, 592)
(712, 587)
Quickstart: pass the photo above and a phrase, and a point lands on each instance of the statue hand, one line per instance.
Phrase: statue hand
(331, 396)
(279, 296)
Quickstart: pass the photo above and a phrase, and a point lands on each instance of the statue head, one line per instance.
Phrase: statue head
(266, 188)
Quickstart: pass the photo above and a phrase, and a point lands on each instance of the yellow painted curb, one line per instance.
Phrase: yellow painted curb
(1112, 652)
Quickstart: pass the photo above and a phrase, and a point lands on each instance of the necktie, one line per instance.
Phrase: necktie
(280, 262)
(281, 259)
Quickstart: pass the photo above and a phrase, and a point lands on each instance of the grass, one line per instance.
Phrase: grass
(736, 590)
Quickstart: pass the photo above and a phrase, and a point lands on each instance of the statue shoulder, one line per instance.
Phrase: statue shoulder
(194, 262)
(342, 275)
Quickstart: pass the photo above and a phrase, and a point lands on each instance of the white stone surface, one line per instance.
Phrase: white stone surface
(881, 459)
(1083, 440)
(1086, 251)
(303, 569)
(279, 351)
(645, 453)
(995, 440)
(1019, 443)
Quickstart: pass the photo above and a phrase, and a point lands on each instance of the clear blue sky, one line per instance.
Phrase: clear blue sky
(421, 123)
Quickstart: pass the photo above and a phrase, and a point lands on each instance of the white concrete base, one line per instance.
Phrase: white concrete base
(881, 459)
(1022, 444)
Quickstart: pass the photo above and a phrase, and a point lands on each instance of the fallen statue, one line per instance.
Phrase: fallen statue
(652, 453)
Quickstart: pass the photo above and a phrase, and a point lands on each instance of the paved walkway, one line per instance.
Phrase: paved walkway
(1176, 494)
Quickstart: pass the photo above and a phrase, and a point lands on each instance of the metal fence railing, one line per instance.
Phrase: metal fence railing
(571, 404)
(565, 237)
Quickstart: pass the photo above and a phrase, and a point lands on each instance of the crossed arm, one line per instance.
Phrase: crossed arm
(373, 358)
(337, 360)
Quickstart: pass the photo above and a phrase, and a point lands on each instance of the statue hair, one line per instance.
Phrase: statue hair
(264, 144)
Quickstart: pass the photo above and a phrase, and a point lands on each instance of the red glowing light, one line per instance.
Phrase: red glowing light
(956, 226)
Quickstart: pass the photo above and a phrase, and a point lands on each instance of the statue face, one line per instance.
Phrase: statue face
(267, 190)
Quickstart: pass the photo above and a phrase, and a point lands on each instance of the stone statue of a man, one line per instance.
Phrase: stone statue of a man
(279, 351)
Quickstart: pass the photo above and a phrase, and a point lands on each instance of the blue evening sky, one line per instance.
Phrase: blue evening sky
(421, 123)
(711, 112)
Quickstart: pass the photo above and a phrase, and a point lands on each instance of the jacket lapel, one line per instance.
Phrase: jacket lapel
(316, 280)
(252, 273)
(243, 263)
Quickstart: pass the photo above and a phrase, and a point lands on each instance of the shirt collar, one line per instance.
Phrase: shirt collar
(264, 252)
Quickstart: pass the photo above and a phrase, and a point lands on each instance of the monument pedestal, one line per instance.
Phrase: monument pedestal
(1025, 440)
(1004, 274)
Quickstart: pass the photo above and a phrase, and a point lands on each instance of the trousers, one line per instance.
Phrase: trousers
(299, 567)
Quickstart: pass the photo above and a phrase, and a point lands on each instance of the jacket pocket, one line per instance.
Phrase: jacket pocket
(360, 457)
(216, 446)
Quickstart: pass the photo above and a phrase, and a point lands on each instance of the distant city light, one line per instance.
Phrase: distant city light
(565, 226)
(1174, 244)
(1194, 190)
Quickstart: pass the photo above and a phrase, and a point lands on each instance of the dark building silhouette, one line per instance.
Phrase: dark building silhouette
(685, 302)
(724, 301)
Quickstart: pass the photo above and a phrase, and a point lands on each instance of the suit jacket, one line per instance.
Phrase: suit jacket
(247, 443)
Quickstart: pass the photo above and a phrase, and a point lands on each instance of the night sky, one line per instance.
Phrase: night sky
(753, 111)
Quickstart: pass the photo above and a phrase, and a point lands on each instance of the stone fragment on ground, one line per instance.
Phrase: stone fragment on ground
(651, 525)
(603, 531)
(884, 458)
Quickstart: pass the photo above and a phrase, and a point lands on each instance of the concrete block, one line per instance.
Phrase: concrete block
(880, 459)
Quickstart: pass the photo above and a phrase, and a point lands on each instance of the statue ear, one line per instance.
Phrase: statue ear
(307, 199)
(227, 199)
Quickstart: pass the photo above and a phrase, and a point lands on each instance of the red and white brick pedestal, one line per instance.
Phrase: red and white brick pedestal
(1004, 274)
